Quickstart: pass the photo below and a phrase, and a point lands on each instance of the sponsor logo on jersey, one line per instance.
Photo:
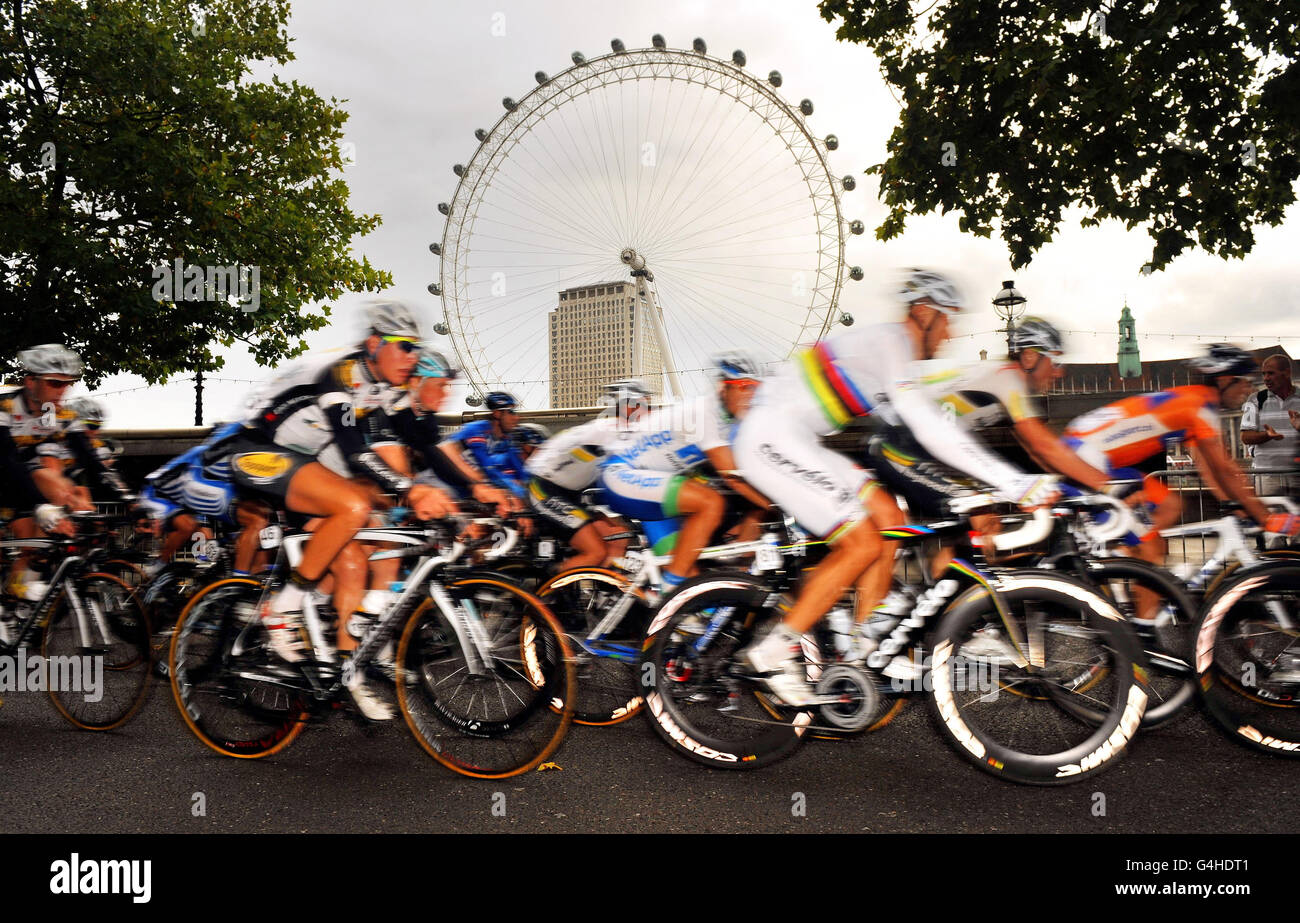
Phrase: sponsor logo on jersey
(819, 479)
(262, 466)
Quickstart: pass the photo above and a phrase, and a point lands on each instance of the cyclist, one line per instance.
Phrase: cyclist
(1127, 432)
(316, 403)
(488, 442)
(528, 437)
(39, 436)
(569, 463)
(871, 371)
(195, 489)
(649, 470)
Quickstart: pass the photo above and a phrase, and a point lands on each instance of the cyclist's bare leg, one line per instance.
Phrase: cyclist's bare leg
(1153, 548)
(703, 508)
(252, 516)
(854, 551)
(873, 585)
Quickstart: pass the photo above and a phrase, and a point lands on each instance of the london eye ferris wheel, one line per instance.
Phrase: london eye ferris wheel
(668, 178)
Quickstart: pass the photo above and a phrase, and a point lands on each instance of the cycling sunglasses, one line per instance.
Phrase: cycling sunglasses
(406, 344)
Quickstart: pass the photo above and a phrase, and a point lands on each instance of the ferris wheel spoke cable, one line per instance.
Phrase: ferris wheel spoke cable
(699, 206)
(564, 227)
(706, 182)
(588, 205)
(652, 202)
(719, 305)
(721, 327)
(603, 202)
(745, 220)
(750, 307)
(618, 161)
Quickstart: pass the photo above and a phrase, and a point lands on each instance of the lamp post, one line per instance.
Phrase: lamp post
(1010, 305)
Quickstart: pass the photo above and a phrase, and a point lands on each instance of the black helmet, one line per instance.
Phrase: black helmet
(500, 400)
(1036, 333)
(530, 434)
(1224, 359)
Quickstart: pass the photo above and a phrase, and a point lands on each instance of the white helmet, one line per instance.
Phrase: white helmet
(392, 319)
(50, 359)
(938, 290)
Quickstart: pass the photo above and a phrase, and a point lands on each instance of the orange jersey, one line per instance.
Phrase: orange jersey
(1129, 431)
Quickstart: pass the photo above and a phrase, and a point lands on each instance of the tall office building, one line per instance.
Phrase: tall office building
(599, 333)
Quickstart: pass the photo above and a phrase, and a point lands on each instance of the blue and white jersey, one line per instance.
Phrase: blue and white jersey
(195, 484)
(672, 438)
(497, 456)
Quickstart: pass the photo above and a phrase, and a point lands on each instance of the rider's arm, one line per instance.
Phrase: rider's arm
(725, 464)
(352, 444)
(1048, 451)
(951, 444)
(1223, 477)
(473, 439)
(100, 475)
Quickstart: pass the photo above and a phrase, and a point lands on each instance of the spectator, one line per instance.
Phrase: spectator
(1267, 423)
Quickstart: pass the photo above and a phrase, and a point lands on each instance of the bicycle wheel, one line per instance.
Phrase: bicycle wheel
(1248, 659)
(607, 688)
(97, 672)
(1003, 685)
(697, 699)
(1233, 569)
(228, 691)
(1167, 643)
(486, 721)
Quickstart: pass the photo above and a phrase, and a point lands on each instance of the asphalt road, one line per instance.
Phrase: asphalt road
(337, 777)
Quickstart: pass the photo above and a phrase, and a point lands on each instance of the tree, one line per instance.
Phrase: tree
(137, 145)
(1181, 114)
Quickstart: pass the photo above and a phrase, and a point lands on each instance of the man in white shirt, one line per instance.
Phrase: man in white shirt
(1266, 425)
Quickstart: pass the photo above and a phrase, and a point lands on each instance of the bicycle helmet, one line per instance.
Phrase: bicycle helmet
(392, 319)
(1224, 359)
(433, 364)
(530, 434)
(88, 410)
(500, 400)
(938, 290)
(1036, 333)
(50, 359)
(734, 366)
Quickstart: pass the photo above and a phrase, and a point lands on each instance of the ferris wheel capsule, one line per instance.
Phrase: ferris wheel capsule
(578, 58)
(738, 58)
(510, 104)
(435, 288)
(435, 249)
(444, 208)
(832, 142)
(849, 183)
(855, 273)
(699, 46)
(618, 46)
(857, 227)
(658, 41)
(541, 78)
(774, 78)
(458, 169)
(806, 106)
(480, 134)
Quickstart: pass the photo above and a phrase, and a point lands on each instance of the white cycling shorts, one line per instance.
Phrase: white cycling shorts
(786, 462)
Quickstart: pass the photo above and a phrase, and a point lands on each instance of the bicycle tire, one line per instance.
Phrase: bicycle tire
(696, 701)
(1243, 651)
(234, 715)
(1028, 736)
(608, 692)
(1171, 691)
(1234, 569)
(452, 710)
(121, 646)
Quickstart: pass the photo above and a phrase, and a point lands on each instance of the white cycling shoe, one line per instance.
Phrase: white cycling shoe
(778, 662)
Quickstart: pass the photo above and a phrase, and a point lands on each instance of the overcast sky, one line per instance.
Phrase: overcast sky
(418, 77)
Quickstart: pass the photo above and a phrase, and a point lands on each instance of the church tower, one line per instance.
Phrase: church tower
(1130, 363)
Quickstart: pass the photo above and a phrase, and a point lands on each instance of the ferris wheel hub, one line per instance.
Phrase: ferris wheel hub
(631, 258)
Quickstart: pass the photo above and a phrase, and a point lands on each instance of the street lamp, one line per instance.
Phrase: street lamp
(1010, 305)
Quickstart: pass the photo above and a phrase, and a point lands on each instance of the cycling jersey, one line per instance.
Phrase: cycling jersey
(198, 481)
(30, 435)
(980, 394)
(495, 455)
(571, 458)
(862, 372)
(564, 466)
(321, 401)
(1135, 428)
